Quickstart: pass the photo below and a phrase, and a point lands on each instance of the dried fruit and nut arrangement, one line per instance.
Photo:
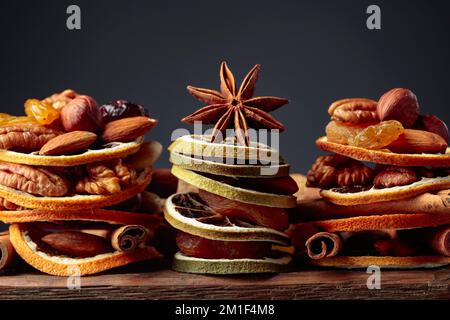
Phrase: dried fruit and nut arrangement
(235, 216)
(73, 179)
(407, 146)
(384, 190)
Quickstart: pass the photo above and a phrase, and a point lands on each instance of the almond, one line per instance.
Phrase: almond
(69, 143)
(418, 141)
(77, 244)
(127, 129)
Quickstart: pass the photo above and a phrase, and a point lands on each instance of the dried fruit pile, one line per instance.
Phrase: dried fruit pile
(63, 162)
(386, 214)
(237, 213)
(393, 123)
(406, 146)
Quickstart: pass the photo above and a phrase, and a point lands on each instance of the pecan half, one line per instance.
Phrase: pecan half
(395, 176)
(32, 180)
(25, 137)
(354, 111)
(106, 178)
(338, 171)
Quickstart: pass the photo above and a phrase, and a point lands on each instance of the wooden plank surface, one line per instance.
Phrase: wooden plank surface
(163, 283)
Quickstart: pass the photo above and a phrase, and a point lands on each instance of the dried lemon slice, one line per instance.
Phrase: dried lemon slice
(234, 193)
(199, 146)
(173, 213)
(230, 170)
(187, 264)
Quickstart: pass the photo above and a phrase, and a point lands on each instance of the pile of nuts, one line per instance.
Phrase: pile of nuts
(393, 123)
(343, 173)
(68, 123)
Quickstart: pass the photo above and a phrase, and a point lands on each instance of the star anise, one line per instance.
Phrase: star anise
(235, 108)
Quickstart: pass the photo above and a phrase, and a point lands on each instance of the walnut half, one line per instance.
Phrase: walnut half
(106, 178)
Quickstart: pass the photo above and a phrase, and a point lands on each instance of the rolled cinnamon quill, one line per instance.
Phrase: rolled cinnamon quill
(323, 245)
(7, 252)
(129, 238)
(125, 238)
(314, 243)
(314, 208)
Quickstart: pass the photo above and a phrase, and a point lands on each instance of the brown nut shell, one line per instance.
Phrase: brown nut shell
(81, 114)
(69, 143)
(399, 104)
(418, 141)
(127, 129)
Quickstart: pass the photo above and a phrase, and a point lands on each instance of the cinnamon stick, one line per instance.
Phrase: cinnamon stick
(310, 241)
(7, 252)
(323, 245)
(129, 238)
(314, 208)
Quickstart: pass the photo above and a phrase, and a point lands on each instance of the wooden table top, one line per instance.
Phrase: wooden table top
(156, 282)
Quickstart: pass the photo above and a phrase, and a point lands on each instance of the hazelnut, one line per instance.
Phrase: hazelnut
(81, 114)
(395, 176)
(432, 124)
(399, 104)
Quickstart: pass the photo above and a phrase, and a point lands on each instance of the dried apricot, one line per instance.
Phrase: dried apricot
(42, 111)
(377, 136)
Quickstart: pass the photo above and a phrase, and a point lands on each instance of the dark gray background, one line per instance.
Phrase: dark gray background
(311, 52)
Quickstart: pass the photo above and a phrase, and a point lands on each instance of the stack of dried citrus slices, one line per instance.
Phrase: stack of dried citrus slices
(235, 221)
(64, 170)
(384, 192)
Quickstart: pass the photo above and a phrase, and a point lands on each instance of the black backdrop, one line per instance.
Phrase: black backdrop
(311, 52)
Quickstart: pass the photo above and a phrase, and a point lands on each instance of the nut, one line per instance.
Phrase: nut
(395, 176)
(418, 141)
(127, 129)
(354, 111)
(32, 180)
(338, 171)
(81, 114)
(69, 143)
(106, 178)
(399, 104)
(433, 124)
(25, 137)
(77, 244)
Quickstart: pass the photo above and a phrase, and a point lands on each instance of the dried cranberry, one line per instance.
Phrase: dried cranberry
(120, 109)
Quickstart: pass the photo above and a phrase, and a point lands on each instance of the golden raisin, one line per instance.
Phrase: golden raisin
(377, 136)
(341, 133)
(42, 111)
(15, 120)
